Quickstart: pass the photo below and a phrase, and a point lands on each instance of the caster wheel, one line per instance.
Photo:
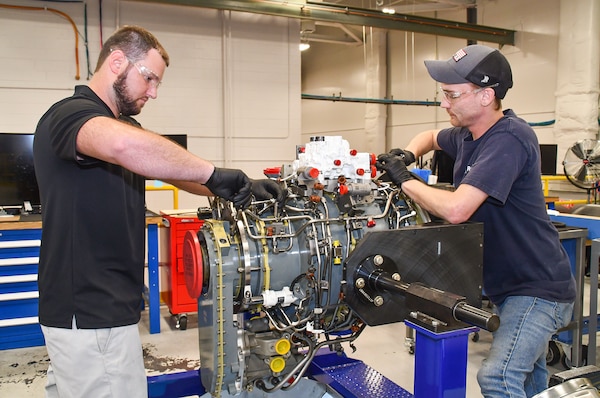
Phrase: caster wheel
(182, 322)
(475, 337)
(554, 353)
(566, 362)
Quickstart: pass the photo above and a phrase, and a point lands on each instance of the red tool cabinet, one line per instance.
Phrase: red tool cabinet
(176, 295)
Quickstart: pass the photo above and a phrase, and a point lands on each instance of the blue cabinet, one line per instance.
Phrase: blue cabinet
(19, 257)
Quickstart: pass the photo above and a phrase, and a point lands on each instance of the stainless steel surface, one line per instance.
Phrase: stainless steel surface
(574, 388)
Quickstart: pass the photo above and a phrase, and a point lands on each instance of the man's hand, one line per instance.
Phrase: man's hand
(407, 156)
(266, 189)
(232, 185)
(395, 168)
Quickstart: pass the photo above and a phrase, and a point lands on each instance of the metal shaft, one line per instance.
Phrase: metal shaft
(439, 302)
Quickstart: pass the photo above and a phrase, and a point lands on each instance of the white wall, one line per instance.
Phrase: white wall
(233, 85)
(330, 68)
(235, 80)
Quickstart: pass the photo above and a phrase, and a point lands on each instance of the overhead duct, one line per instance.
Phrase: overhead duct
(319, 11)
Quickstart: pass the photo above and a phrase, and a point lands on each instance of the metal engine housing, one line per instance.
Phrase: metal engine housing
(271, 280)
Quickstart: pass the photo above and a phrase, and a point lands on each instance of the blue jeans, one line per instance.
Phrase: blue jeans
(516, 364)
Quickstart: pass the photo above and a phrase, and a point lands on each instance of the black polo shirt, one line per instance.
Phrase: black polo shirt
(93, 226)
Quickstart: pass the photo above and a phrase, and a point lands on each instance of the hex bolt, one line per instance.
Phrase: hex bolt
(378, 301)
(378, 259)
(396, 277)
(360, 283)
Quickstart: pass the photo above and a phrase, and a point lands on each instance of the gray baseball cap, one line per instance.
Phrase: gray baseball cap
(481, 65)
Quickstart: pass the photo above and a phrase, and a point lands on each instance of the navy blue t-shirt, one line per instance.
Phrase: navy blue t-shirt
(522, 253)
(92, 253)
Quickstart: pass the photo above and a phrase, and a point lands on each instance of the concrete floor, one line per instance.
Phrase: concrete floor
(22, 371)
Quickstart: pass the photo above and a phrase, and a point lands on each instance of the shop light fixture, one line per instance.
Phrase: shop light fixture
(304, 45)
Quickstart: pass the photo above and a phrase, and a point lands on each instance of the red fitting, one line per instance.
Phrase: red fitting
(272, 172)
(310, 172)
(373, 171)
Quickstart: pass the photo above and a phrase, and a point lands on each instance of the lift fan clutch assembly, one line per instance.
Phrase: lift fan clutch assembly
(582, 164)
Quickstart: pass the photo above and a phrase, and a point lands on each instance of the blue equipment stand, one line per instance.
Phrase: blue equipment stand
(440, 371)
(441, 362)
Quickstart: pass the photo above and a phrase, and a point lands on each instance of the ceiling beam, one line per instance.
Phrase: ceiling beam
(320, 11)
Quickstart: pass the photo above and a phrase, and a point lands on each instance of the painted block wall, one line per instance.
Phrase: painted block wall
(233, 85)
(330, 68)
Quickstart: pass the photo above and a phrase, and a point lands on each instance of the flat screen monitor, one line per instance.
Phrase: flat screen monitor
(17, 175)
(180, 139)
(548, 154)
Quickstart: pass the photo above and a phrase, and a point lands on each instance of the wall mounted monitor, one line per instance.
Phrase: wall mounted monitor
(17, 175)
(548, 154)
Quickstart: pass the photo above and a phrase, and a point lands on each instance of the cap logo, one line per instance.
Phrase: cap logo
(485, 79)
(459, 55)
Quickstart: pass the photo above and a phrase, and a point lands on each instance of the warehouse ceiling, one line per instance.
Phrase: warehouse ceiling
(349, 16)
(328, 32)
(408, 6)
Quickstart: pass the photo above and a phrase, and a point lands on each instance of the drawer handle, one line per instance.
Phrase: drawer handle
(19, 261)
(19, 296)
(11, 244)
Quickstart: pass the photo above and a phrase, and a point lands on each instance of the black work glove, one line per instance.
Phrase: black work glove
(232, 185)
(407, 156)
(266, 189)
(395, 168)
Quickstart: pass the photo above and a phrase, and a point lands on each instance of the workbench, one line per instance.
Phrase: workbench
(574, 240)
(153, 220)
(19, 258)
(581, 231)
(20, 241)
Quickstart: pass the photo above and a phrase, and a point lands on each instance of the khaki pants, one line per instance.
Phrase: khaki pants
(99, 363)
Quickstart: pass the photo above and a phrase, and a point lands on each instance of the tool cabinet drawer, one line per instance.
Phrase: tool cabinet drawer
(19, 259)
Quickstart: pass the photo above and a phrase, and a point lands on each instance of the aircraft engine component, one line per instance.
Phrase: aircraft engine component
(276, 282)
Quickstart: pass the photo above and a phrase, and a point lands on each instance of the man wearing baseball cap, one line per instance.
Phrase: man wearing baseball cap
(526, 271)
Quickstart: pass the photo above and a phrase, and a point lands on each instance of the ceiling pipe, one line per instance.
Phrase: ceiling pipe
(472, 19)
(386, 101)
(319, 11)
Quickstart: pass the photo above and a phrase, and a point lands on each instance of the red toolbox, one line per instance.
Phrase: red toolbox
(176, 295)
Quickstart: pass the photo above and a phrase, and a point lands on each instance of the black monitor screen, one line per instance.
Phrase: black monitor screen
(180, 139)
(548, 153)
(17, 176)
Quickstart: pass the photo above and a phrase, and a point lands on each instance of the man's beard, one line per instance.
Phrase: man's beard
(127, 106)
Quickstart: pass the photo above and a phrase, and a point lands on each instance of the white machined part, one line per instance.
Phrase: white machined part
(285, 297)
(310, 327)
(332, 156)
